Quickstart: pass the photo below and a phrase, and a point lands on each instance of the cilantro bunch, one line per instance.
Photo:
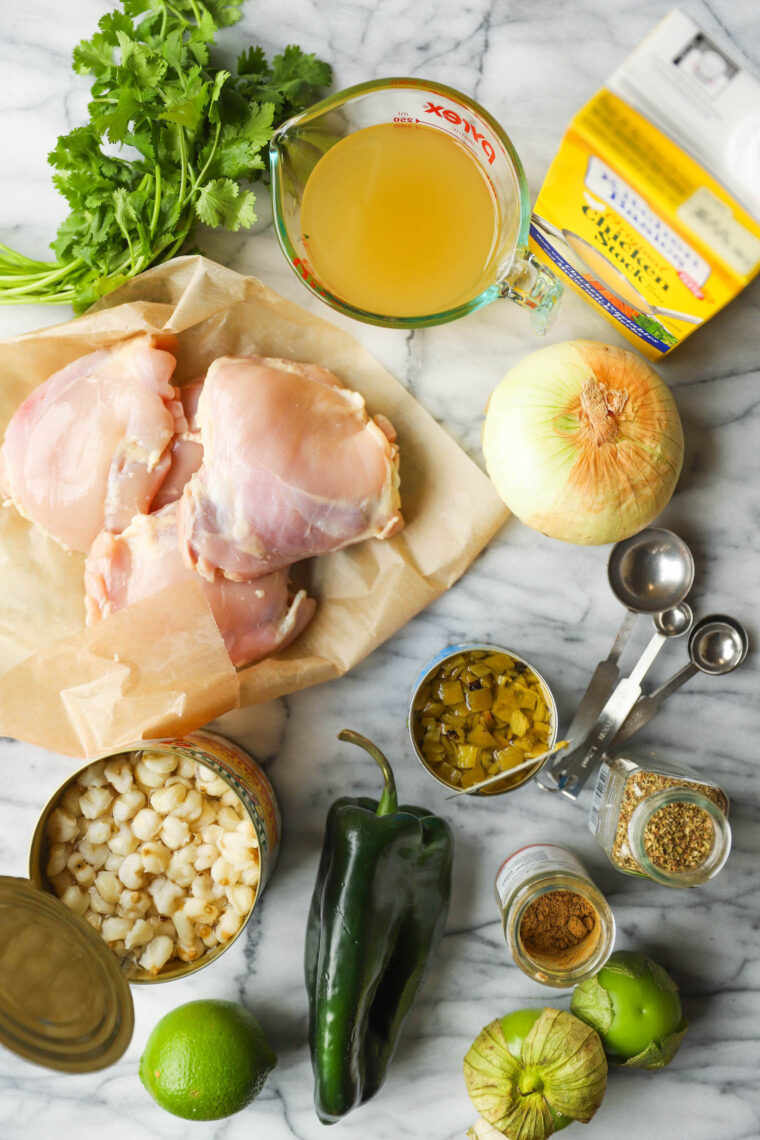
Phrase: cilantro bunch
(172, 140)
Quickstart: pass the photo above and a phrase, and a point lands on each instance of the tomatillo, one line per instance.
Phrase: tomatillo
(532, 1073)
(634, 1006)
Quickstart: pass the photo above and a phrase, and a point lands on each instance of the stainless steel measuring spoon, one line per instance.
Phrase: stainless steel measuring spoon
(717, 645)
(572, 769)
(650, 572)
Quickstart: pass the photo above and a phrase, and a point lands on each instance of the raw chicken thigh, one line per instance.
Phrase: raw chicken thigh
(91, 446)
(187, 449)
(254, 618)
(292, 467)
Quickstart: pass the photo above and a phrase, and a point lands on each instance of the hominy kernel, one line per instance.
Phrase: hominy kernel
(98, 903)
(164, 763)
(118, 772)
(124, 842)
(147, 823)
(132, 872)
(165, 800)
(99, 831)
(75, 899)
(95, 802)
(57, 856)
(109, 886)
(93, 777)
(155, 856)
(157, 953)
(140, 934)
(61, 827)
(128, 804)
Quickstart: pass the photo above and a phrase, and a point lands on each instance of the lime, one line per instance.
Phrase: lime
(206, 1060)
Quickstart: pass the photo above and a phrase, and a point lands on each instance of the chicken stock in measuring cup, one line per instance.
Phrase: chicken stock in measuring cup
(403, 203)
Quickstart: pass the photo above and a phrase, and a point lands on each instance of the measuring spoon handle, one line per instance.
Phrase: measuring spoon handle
(648, 706)
(572, 770)
(601, 684)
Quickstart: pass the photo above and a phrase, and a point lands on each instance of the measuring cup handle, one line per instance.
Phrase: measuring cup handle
(531, 284)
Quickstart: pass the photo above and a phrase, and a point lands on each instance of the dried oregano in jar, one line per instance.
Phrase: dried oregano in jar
(666, 824)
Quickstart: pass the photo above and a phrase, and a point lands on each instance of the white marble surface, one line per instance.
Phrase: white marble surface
(532, 65)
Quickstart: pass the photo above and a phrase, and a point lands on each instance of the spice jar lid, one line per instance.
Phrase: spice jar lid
(64, 1002)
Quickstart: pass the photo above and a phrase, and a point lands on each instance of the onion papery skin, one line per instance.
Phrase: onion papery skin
(583, 442)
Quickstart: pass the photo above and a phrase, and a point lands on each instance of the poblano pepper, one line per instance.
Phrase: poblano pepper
(377, 916)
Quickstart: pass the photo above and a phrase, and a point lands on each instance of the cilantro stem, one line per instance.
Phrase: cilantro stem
(63, 297)
(197, 181)
(42, 282)
(177, 245)
(183, 164)
(156, 200)
(21, 259)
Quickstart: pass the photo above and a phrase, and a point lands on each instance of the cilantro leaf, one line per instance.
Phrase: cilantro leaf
(221, 203)
(257, 128)
(234, 158)
(185, 104)
(252, 61)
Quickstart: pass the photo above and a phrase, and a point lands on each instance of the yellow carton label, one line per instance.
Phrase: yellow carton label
(636, 225)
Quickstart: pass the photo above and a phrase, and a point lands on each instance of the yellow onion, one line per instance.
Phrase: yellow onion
(583, 442)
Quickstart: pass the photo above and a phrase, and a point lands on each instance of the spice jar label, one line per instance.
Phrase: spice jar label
(596, 804)
(530, 859)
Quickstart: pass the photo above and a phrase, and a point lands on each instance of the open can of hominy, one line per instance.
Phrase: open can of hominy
(65, 1001)
(201, 751)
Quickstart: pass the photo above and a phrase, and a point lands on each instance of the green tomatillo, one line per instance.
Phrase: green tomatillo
(634, 1006)
(535, 1071)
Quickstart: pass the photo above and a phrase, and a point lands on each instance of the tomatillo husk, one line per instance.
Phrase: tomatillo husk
(561, 1069)
(634, 1006)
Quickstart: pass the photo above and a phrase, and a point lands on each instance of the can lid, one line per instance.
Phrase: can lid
(64, 1001)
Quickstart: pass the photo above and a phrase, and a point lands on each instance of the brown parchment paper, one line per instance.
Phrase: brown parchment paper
(159, 668)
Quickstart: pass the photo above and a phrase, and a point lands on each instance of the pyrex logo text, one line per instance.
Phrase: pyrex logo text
(469, 128)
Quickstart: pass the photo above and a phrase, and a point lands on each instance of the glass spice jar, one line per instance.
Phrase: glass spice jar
(660, 822)
(557, 924)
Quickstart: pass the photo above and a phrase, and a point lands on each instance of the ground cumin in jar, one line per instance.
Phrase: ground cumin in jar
(659, 822)
(558, 926)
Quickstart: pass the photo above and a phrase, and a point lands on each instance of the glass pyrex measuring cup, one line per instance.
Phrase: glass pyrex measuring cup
(512, 271)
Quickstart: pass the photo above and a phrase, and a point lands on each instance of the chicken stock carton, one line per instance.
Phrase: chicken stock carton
(651, 208)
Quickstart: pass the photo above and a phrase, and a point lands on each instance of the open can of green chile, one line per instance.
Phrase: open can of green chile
(64, 993)
(427, 673)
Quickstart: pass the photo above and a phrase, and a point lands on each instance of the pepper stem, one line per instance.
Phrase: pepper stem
(389, 799)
